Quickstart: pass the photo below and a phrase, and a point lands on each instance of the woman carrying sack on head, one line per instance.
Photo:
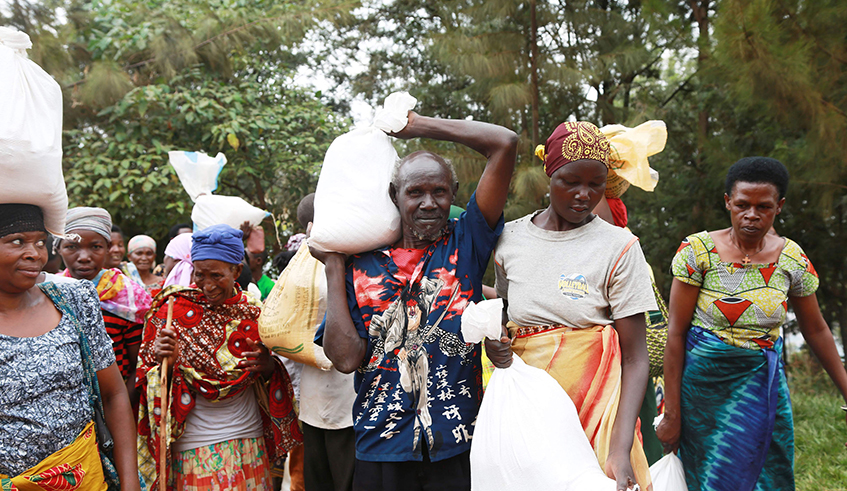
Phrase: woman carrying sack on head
(230, 403)
(576, 290)
(55, 356)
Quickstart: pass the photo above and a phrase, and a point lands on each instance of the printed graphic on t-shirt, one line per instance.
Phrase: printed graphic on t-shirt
(573, 286)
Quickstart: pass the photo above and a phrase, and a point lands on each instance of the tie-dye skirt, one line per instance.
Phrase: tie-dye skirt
(737, 427)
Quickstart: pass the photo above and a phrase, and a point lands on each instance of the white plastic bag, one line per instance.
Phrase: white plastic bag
(353, 212)
(482, 320)
(528, 437)
(668, 474)
(30, 133)
(198, 174)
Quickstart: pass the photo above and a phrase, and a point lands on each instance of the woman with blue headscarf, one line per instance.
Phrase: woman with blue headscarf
(231, 410)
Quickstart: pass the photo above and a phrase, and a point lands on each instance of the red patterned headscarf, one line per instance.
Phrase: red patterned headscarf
(571, 141)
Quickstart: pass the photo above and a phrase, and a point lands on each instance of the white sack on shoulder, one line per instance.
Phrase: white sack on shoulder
(668, 474)
(482, 320)
(353, 212)
(30, 133)
(197, 172)
(528, 437)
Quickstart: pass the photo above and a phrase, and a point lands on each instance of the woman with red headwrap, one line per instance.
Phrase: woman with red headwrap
(576, 290)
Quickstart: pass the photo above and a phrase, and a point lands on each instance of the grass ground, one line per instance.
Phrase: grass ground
(820, 430)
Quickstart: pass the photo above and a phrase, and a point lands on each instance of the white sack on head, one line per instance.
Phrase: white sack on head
(353, 211)
(528, 437)
(197, 172)
(30, 133)
(211, 209)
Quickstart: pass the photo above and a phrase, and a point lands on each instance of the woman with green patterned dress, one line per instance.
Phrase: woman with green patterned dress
(727, 406)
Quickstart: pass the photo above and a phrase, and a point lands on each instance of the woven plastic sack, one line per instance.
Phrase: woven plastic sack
(30, 133)
(657, 334)
(668, 474)
(353, 211)
(294, 309)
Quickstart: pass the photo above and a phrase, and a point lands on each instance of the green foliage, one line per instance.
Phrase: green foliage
(819, 426)
(274, 137)
(142, 78)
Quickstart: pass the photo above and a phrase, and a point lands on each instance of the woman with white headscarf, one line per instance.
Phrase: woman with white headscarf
(141, 251)
(123, 302)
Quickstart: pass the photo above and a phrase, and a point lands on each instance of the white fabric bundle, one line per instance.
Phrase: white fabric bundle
(353, 211)
(30, 133)
(198, 174)
(528, 436)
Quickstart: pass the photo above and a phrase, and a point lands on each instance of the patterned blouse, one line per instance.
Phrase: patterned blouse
(43, 400)
(743, 305)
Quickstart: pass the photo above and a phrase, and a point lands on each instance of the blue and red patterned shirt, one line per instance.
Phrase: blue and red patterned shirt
(420, 383)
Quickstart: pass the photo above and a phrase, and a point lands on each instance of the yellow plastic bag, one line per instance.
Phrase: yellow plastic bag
(630, 148)
(294, 309)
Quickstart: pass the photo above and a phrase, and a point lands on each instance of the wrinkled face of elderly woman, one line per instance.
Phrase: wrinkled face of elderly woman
(86, 257)
(216, 279)
(144, 258)
(22, 255)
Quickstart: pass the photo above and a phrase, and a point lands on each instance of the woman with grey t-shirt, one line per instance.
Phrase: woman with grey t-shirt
(576, 289)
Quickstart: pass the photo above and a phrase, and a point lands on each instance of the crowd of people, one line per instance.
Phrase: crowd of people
(120, 373)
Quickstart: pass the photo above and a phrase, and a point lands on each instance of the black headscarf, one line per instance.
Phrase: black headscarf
(17, 218)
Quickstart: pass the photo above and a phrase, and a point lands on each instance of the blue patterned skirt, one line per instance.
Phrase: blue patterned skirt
(737, 427)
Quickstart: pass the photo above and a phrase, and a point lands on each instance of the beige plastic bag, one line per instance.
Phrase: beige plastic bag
(630, 148)
(294, 309)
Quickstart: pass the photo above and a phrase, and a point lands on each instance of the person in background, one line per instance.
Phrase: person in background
(727, 406)
(177, 229)
(117, 249)
(326, 408)
(141, 251)
(231, 408)
(46, 420)
(576, 289)
(178, 266)
(394, 315)
(256, 262)
(123, 302)
(282, 259)
(54, 261)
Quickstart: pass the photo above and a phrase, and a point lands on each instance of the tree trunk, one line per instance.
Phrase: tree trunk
(533, 69)
(700, 10)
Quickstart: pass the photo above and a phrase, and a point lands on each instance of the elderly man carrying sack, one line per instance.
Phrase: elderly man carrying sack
(394, 314)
